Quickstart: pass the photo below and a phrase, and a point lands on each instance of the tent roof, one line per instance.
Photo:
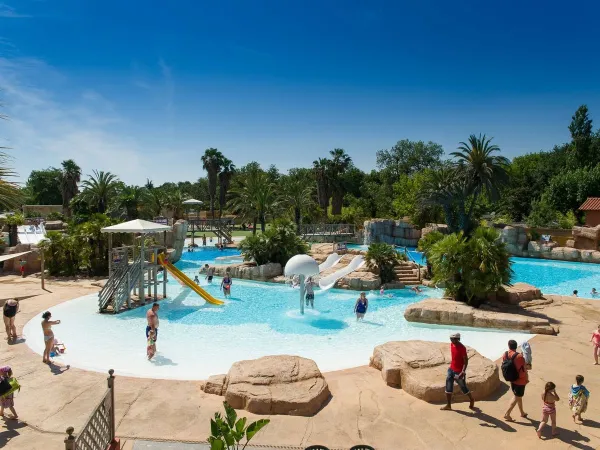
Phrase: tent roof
(137, 226)
(13, 255)
(192, 201)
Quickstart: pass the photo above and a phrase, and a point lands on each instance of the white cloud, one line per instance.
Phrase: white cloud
(8, 12)
(43, 131)
(169, 86)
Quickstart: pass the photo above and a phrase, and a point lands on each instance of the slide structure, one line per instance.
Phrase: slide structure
(329, 281)
(331, 261)
(185, 280)
(31, 234)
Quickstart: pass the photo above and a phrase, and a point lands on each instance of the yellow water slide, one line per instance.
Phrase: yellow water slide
(184, 279)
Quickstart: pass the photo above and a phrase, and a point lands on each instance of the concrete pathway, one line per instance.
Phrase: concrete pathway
(362, 409)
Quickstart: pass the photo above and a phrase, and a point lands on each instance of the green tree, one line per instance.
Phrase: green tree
(212, 161)
(568, 190)
(298, 194)
(276, 245)
(581, 133)
(321, 171)
(407, 157)
(471, 269)
(174, 202)
(227, 171)
(131, 200)
(338, 165)
(98, 189)
(383, 258)
(70, 176)
(44, 187)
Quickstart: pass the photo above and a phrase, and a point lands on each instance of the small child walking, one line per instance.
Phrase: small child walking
(595, 340)
(578, 398)
(7, 401)
(151, 348)
(549, 398)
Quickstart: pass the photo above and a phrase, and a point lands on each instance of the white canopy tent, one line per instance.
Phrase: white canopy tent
(13, 255)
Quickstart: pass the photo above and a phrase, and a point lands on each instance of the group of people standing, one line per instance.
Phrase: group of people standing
(515, 367)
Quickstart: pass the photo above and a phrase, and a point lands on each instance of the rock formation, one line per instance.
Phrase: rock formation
(395, 232)
(450, 312)
(272, 385)
(420, 367)
(249, 271)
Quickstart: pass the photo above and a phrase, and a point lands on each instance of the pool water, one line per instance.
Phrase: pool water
(196, 339)
(412, 251)
(557, 277)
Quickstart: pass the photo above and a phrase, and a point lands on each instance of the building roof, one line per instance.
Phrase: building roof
(591, 204)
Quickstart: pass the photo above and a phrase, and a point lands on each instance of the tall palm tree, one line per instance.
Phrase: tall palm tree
(99, 188)
(70, 176)
(212, 161)
(131, 200)
(149, 184)
(340, 162)
(156, 202)
(298, 195)
(227, 171)
(10, 193)
(483, 171)
(321, 170)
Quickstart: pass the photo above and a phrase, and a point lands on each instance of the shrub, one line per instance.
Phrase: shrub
(430, 239)
(33, 214)
(383, 258)
(14, 220)
(471, 269)
(56, 216)
(567, 221)
(276, 245)
(227, 432)
(535, 235)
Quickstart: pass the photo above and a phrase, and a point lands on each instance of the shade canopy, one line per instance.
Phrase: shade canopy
(192, 201)
(13, 255)
(301, 265)
(137, 226)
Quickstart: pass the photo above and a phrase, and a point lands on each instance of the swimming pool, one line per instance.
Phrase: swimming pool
(197, 340)
(412, 251)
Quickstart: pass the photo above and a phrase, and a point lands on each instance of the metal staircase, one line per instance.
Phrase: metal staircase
(117, 290)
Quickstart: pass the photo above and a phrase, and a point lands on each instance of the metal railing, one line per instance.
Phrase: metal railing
(328, 229)
(98, 433)
(117, 271)
(411, 259)
(222, 228)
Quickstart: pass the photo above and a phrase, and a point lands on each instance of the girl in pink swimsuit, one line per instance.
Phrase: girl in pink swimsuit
(549, 398)
(595, 339)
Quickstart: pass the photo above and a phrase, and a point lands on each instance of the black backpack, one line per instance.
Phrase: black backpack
(509, 370)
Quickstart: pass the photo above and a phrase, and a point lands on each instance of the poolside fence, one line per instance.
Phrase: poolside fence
(98, 433)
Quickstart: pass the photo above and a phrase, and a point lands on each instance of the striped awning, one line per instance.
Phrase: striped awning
(591, 204)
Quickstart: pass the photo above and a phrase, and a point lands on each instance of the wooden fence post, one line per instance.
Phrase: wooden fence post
(70, 439)
(111, 386)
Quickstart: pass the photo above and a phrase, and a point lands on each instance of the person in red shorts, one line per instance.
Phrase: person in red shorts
(22, 263)
(517, 386)
(457, 372)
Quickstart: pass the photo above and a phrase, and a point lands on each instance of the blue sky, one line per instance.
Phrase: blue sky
(142, 88)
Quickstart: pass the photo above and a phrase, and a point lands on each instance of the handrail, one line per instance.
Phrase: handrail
(108, 290)
(409, 256)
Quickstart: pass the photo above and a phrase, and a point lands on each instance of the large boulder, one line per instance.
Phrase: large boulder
(420, 367)
(250, 271)
(178, 235)
(273, 385)
(518, 292)
(450, 312)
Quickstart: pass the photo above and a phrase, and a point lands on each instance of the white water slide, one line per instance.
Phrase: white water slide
(329, 281)
(31, 234)
(331, 261)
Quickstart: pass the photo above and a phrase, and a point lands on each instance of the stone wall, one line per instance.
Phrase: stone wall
(34, 263)
(394, 232)
(43, 210)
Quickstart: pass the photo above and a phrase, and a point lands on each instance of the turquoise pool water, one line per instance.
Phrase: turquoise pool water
(415, 255)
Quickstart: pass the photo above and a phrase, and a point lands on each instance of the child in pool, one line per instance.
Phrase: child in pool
(151, 347)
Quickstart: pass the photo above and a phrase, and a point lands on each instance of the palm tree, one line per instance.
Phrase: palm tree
(149, 184)
(254, 197)
(340, 162)
(174, 202)
(131, 199)
(321, 168)
(70, 177)
(484, 171)
(212, 161)
(156, 202)
(298, 195)
(227, 171)
(99, 188)
(10, 194)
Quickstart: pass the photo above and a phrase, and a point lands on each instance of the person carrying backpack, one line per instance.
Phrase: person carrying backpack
(514, 370)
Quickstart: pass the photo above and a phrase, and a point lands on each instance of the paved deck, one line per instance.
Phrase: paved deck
(362, 409)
